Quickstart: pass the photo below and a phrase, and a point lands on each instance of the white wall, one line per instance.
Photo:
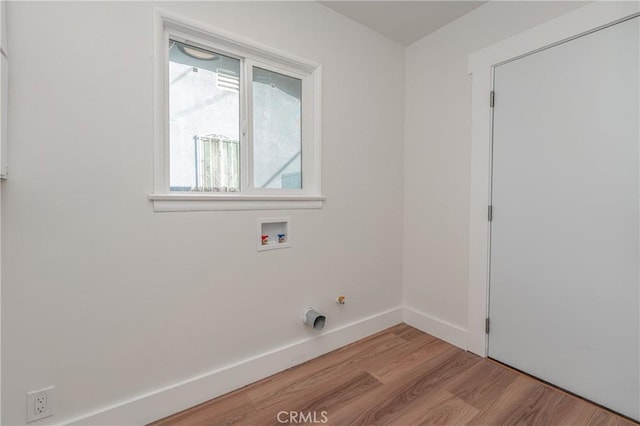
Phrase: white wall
(437, 158)
(106, 299)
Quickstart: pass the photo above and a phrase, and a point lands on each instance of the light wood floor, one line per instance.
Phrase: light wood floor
(400, 376)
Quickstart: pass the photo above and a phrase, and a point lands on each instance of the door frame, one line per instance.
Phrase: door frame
(481, 66)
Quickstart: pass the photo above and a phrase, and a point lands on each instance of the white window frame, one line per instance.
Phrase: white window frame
(168, 25)
(307, 129)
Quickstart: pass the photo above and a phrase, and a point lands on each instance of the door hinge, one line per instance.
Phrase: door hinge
(486, 325)
(490, 213)
(492, 99)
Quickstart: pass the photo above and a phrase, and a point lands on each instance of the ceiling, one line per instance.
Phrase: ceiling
(403, 21)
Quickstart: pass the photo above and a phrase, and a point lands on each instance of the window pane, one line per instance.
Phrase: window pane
(204, 120)
(277, 134)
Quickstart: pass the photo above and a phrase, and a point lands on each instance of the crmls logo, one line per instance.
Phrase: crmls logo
(302, 417)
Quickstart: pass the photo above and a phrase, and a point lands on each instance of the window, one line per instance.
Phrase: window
(237, 124)
(204, 120)
(277, 149)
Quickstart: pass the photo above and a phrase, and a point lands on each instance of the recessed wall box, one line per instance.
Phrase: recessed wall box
(273, 233)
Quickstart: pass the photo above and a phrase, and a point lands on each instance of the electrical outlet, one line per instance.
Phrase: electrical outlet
(39, 404)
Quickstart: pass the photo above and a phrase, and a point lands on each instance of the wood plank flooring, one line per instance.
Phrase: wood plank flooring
(400, 376)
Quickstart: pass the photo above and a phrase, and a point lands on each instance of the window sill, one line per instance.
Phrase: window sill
(211, 202)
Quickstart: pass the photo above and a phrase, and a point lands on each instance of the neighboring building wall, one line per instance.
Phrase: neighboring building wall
(437, 158)
(106, 299)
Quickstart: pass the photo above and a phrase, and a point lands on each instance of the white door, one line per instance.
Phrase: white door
(564, 287)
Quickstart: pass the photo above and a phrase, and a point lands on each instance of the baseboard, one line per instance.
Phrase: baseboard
(160, 403)
(436, 327)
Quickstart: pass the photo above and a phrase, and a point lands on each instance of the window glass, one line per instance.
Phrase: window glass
(277, 131)
(204, 120)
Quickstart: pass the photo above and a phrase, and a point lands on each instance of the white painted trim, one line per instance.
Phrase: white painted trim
(191, 202)
(192, 196)
(3, 155)
(0, 301)
(4, 90)
(481, 65)
(436, 327)
(162, 402)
